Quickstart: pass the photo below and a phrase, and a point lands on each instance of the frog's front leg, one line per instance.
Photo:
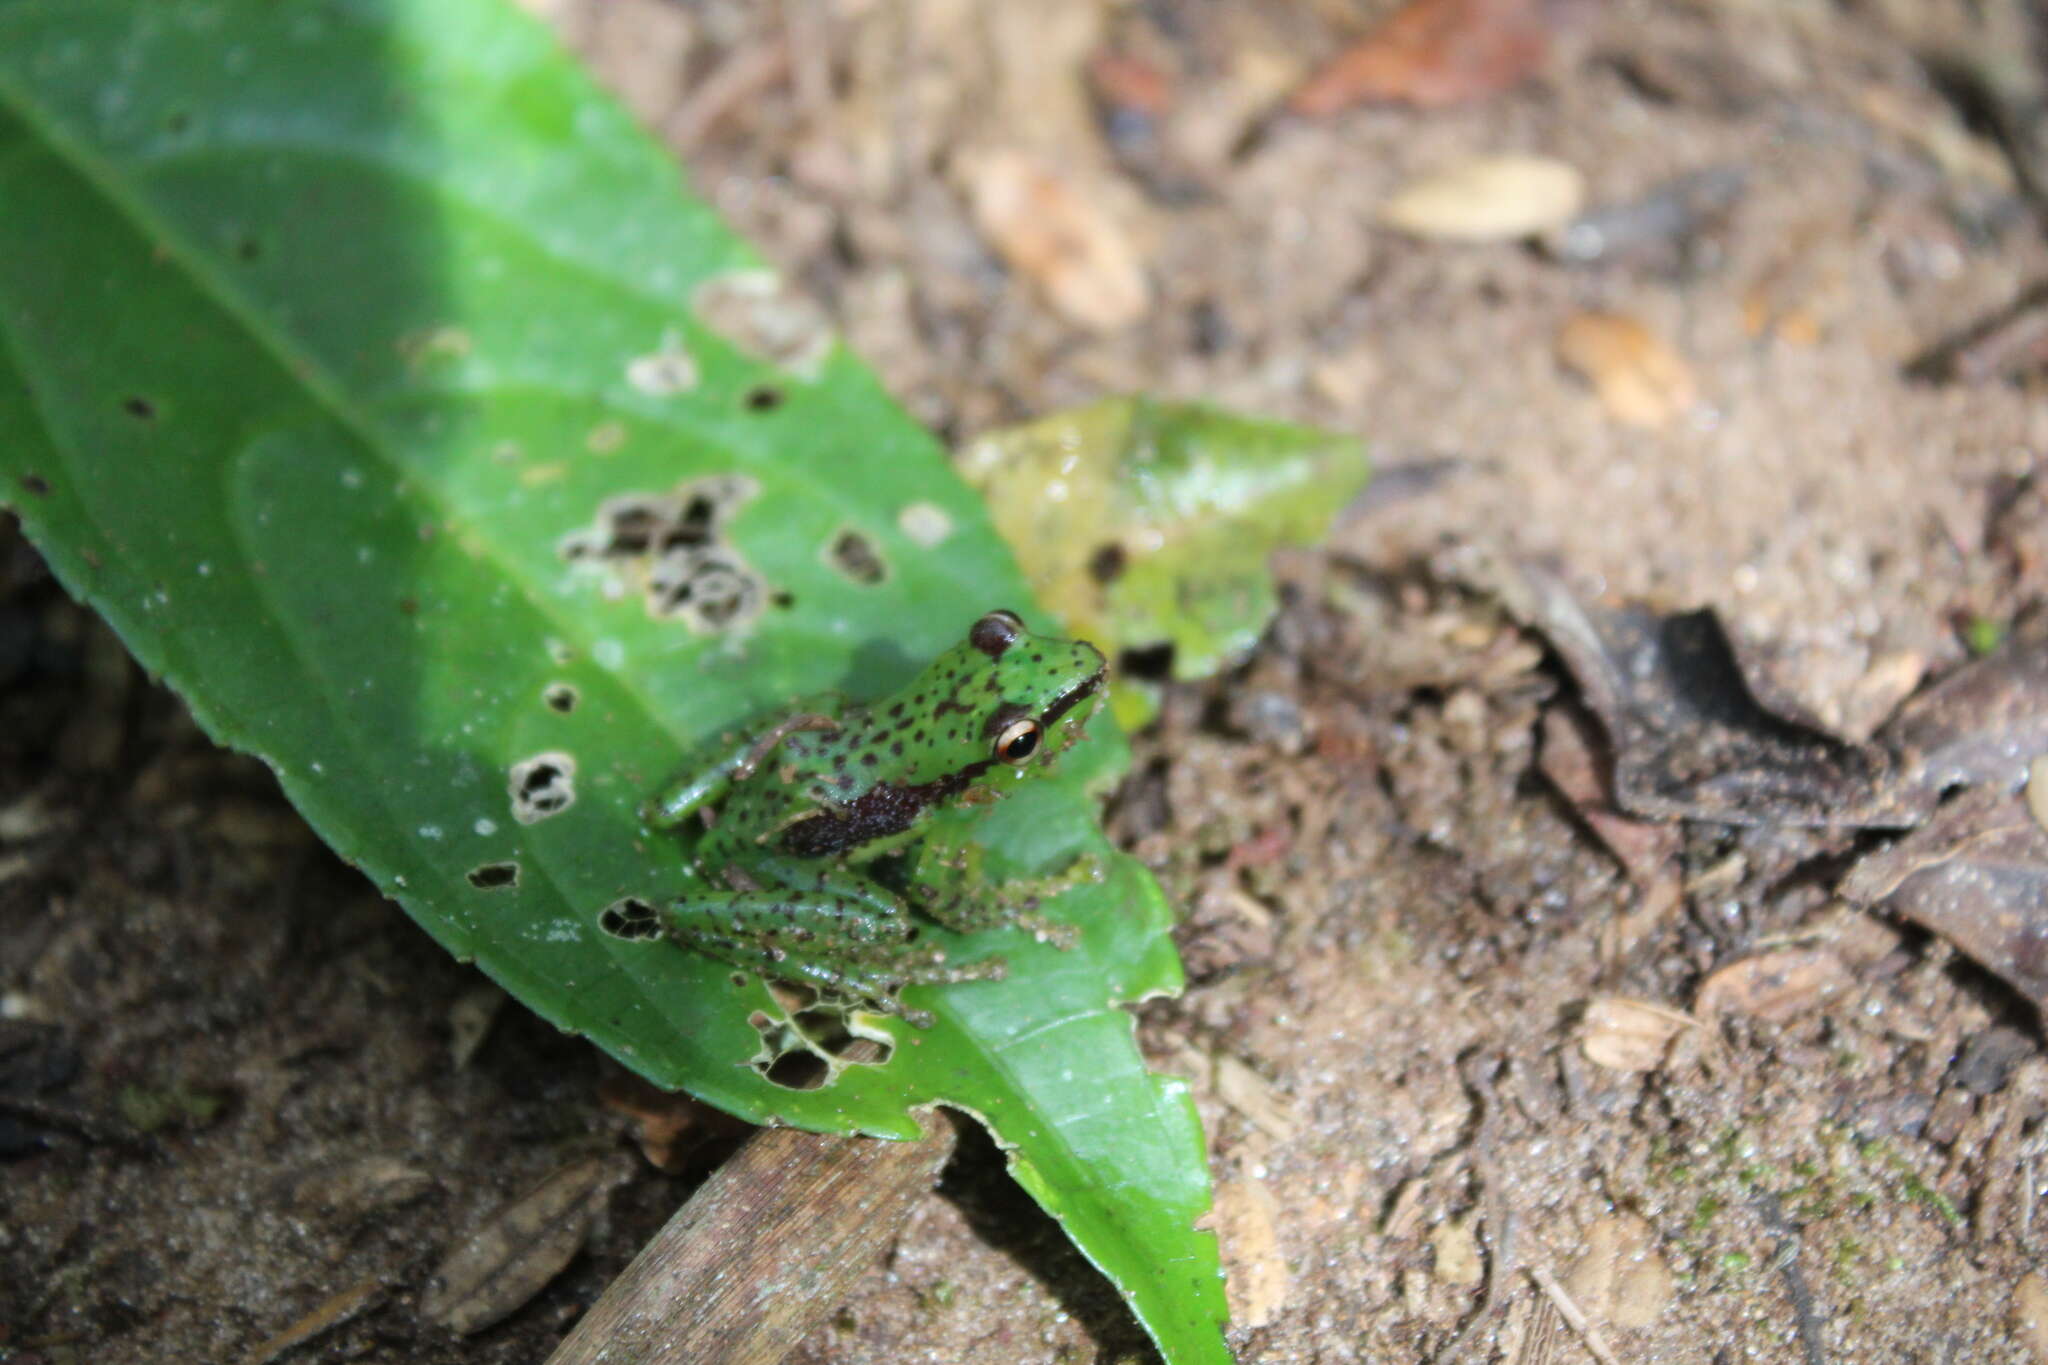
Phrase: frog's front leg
(709, 772)
(950, 882)
(831, 930)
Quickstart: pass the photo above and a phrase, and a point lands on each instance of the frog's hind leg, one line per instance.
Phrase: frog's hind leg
(949, 883)
(843, 937)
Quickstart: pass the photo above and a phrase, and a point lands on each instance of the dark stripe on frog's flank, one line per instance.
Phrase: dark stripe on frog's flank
(890, 808)
(882, 810)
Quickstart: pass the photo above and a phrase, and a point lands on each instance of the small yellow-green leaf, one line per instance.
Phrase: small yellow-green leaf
(1144, 523)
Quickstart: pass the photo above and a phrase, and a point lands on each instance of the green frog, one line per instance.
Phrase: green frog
(833, 823)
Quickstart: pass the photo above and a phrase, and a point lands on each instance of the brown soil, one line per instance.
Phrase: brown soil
(1395, 926)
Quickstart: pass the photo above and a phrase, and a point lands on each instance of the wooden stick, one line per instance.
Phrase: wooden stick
(764, 1250)
(1574, 1316)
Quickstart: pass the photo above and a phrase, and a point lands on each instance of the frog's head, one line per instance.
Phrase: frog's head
(1002, 700)
(1034, 692)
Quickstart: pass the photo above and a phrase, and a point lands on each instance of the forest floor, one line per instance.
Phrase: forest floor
(1456, 1032)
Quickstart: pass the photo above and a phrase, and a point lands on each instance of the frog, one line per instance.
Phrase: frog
(834, 828)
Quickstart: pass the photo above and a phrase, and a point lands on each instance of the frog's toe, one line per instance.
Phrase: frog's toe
(987, 969)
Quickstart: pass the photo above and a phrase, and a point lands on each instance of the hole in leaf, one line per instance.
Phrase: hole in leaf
(628, 526)
(542, 786)
(763, 398)
(36, 484)
(793, 996)
(1108, 562)
(674, 550)
(827, 1031)
(1154, 662)
(630, 918)
(783, 599)
(784, 1058)
(709, 588)
(694, 526)
(560, 697)
(493, 876)
(799, 1070)
(141, 409)
(854, 555)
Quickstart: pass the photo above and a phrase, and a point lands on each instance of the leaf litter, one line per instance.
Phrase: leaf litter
(1691, 737)
(1730, 64)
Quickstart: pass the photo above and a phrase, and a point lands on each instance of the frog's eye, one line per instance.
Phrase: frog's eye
(1018, 741)
(995, 632)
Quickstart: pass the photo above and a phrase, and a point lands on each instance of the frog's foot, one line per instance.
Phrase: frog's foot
(1013, 903)
(877, 988)
(838, 947)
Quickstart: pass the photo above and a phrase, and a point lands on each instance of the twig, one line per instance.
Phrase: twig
(1500, 1220)
(326, 1316)
(1785, 1260)
(761, 1253)
(738, 79)
(1540, 1339)
(1589, 1335)
(93, 1129)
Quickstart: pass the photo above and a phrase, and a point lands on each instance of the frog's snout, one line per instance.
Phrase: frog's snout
(1075, 695)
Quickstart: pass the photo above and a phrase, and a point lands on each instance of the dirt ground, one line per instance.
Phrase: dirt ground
(227, 1092)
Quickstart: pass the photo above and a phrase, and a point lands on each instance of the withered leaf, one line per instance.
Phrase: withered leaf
(355, 1188)
(1051, 228)
(1977, 875)
(1641, 380)
(1433, 53)
(1663, 225)
(1646, 849)
(1246, 1218)
(1983, 723)
(1773, 986)
(1630, 1035)
(1695, 735)
(670, 1127)
(327, 1315)
(2009, 344)
(491, 1273)
(1487, 199)
(1620, 1276)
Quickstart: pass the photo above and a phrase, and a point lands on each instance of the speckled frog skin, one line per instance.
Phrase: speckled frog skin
(832, 822)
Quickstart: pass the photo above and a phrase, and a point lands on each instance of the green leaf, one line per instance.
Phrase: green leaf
(343, 348)
(1143, 523)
